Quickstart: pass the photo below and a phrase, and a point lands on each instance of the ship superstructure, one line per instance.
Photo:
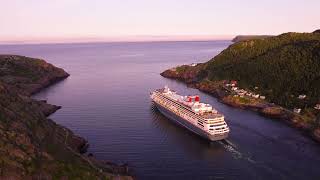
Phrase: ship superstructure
(190, 113)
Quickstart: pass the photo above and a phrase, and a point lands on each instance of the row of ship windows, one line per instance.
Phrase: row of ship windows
(216, 129)
(179, 105)
(170, 102)
(200, 125)
(218, 124)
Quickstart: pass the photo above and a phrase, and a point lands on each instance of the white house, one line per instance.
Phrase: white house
(255, 95)
(262, 97)
(244, 91)
(317, 106)
(234, 88)
(302, 96)
(297, 110)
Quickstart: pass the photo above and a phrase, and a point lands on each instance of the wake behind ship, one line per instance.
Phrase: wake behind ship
(188, 112)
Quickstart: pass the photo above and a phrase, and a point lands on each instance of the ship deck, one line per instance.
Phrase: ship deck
(203, 115)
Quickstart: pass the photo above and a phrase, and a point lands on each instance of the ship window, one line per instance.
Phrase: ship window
(200, 125)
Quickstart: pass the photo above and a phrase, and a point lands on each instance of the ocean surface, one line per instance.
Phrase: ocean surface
(106, 100)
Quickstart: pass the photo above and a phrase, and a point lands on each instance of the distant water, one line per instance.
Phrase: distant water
(106, 100)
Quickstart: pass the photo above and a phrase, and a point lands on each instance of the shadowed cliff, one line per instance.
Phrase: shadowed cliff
(31, 145)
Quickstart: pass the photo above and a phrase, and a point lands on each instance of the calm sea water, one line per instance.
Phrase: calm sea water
(106, 100)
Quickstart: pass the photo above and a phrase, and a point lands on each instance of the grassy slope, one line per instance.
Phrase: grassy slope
(29, 145)
(282, 67)
(32, 146)
(28, 75)
(249, 37)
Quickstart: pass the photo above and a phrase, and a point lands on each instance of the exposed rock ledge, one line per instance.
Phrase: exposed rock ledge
(31, 145)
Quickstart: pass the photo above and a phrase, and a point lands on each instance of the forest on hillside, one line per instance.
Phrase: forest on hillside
(282, 67)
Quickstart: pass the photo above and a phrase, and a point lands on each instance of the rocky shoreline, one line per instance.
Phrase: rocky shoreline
(188, 74)
(32, 145)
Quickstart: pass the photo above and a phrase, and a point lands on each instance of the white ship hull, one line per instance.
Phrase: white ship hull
(188, 125)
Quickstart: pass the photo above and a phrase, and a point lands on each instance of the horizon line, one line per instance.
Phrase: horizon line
(137, 38)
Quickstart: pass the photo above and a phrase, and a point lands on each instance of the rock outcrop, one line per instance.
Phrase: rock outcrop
(28, 75)
(31, 145)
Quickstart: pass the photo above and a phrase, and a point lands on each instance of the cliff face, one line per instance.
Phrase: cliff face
(31, 145)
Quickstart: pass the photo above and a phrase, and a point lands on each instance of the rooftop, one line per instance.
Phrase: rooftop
(211, 115)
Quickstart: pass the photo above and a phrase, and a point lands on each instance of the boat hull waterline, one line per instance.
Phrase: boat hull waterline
(183, 123)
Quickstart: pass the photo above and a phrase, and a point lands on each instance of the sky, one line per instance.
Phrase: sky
(138, 20)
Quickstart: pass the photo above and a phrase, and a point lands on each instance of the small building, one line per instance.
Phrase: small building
(317, 106)
(234, 88)
(302, 96)
(297, 110)
(193, 64)
(255, 96)
(241, 94)
(256, 87)
(227, 85)
(262, 97)
(242, 91)
(249, 94)
(233, 83)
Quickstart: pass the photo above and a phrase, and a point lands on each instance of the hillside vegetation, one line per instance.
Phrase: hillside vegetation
(28, 75)
(279, 69)
(31, 145)
(249, 37)
(282, 67)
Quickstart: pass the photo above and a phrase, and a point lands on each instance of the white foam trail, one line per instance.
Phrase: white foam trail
(228, 145)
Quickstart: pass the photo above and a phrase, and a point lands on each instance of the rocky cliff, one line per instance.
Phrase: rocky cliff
(31, 145)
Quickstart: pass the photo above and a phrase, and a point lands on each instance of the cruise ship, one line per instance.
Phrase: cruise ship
(190, 113)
